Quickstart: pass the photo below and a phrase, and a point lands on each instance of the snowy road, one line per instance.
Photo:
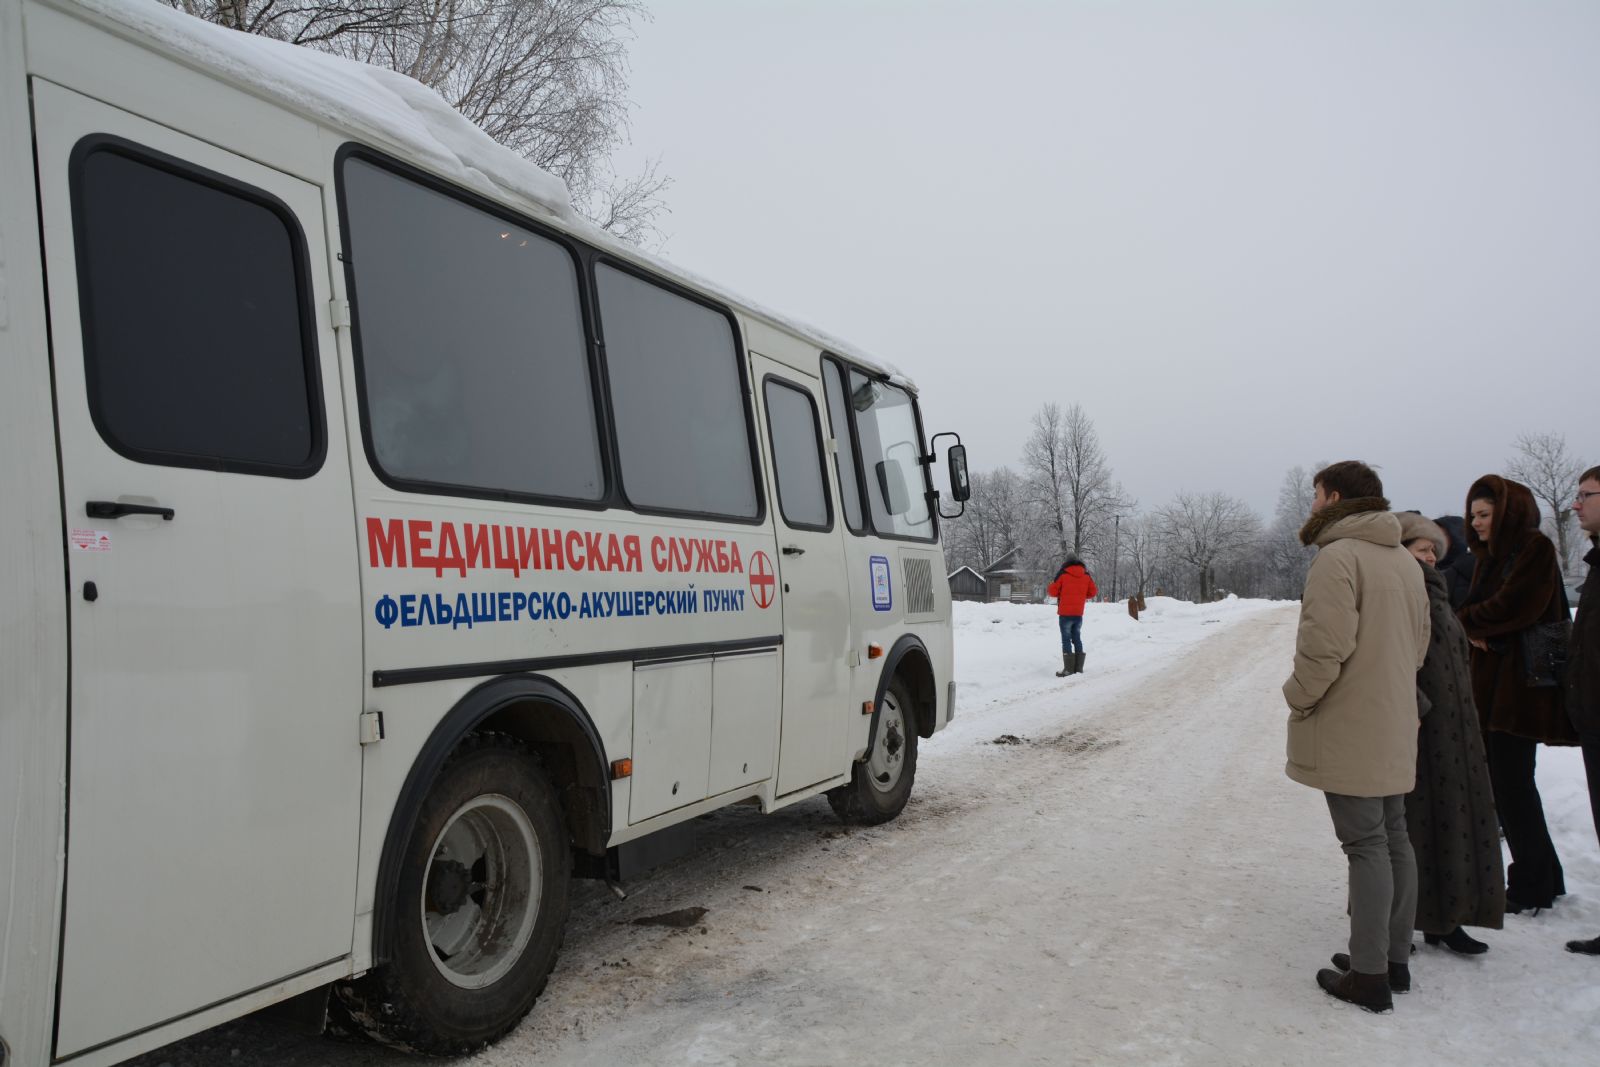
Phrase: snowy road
(1130, 880)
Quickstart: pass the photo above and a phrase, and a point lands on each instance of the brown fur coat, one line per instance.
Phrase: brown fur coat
(1514, 585)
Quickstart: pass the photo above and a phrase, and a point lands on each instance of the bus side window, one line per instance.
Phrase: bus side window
(473, 361)
(844, 458)
(797, 457)
(683, 429)
(198, 345)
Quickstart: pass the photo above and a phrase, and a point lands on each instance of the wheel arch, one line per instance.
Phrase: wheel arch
(908, 659)
(543, 715)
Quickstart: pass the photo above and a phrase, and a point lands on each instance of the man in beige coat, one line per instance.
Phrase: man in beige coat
(1353, 717)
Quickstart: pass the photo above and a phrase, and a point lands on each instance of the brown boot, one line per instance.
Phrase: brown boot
(1399, 973)
(1369, 991)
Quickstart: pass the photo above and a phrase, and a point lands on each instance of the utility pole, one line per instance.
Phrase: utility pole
(1116, 551)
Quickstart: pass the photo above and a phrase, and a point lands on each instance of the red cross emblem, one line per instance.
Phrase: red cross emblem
(762, 580)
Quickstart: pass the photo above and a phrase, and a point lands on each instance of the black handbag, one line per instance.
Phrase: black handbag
(1545, 644)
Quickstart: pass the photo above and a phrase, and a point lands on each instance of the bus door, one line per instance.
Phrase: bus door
(811, 568)
(214, 777)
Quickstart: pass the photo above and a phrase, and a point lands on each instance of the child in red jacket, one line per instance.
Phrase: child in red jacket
(1072, 587)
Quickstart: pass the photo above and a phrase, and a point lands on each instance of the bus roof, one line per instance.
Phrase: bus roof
(394, 112)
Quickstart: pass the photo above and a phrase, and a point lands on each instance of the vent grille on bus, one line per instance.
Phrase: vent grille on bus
(919, 586)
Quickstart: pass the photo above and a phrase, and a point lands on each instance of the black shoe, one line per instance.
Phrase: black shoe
(1369, 991)
(1399, 973)
(1458, 941)
(1590, 947)
(1517, 907)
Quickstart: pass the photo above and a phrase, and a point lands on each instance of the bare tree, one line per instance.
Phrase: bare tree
(996, 520)
(303, 22)
(1202, 529)
(1142, 552)
(1287, 559)
(546, 78)
(1044, 462)
(1544, 465)
(1070, 477)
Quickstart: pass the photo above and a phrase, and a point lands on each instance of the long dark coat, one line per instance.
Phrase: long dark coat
(1583, 660)
(1451, 815)
(1456, 563)
(1514, 585)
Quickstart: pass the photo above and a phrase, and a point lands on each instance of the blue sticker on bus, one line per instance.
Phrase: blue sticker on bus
(882, 593)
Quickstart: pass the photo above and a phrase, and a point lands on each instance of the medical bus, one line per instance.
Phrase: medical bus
(384, 547)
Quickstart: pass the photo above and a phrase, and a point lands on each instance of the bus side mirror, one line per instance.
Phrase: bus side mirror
(960, 484)
(892, 486)
(960, 489)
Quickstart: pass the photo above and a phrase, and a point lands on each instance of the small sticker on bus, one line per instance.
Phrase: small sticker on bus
(90, 540)
(882, 593)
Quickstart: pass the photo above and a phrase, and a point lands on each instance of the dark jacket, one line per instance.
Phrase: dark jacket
(1583, 659)
(1514, 585)
(1450, 814)
(1456, 563)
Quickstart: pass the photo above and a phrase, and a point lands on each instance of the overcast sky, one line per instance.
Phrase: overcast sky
(1243, 235)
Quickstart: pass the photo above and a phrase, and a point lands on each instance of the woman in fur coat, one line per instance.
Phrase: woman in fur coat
(1450, 815)
(1515, 585)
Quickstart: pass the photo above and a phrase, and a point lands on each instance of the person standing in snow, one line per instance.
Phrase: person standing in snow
(1353, 717)
(1515, 586)
(1450, 815)
(1583, 661)
(1073, 586)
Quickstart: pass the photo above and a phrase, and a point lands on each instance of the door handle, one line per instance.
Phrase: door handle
(793, 550)
(113, 509)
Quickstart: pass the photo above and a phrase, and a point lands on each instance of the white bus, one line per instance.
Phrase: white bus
(384, 547)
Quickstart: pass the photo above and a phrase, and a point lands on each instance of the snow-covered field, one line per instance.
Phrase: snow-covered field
(1107, 869)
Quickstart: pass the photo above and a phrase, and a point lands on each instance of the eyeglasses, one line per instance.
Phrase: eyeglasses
(1582, 495)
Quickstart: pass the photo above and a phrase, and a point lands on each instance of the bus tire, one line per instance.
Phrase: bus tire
(880, 785)
(481, 908)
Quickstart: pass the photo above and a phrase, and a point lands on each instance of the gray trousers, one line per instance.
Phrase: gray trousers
(1383, 878)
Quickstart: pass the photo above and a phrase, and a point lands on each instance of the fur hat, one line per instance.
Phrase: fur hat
(1413, 525)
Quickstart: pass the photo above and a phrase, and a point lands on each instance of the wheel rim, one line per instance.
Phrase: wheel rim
(888, 760)
(482, 893)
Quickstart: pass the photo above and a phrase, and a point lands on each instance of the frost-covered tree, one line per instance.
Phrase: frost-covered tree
(1544, 465)
(1204, 529)
(1069, 477)
(1044, 464)
(997, 519)
(546, 78)
(1286, 558)
(1142, 555)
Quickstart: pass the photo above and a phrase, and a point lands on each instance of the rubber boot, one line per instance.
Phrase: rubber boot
(1077, 663)
(1066, 665)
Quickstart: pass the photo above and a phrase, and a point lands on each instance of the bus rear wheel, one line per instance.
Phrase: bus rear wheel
(880, 785)
(480, 911)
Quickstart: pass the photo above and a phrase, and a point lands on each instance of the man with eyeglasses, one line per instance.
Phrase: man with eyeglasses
(1583, 660)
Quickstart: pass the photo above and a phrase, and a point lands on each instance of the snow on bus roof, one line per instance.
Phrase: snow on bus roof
(390, 109)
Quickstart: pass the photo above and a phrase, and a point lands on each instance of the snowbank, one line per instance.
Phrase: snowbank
(1007, 654)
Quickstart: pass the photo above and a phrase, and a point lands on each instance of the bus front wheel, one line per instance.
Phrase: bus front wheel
(481, 907)
(880, 785)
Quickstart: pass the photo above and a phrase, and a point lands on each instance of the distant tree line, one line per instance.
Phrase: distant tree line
(1063, 499)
